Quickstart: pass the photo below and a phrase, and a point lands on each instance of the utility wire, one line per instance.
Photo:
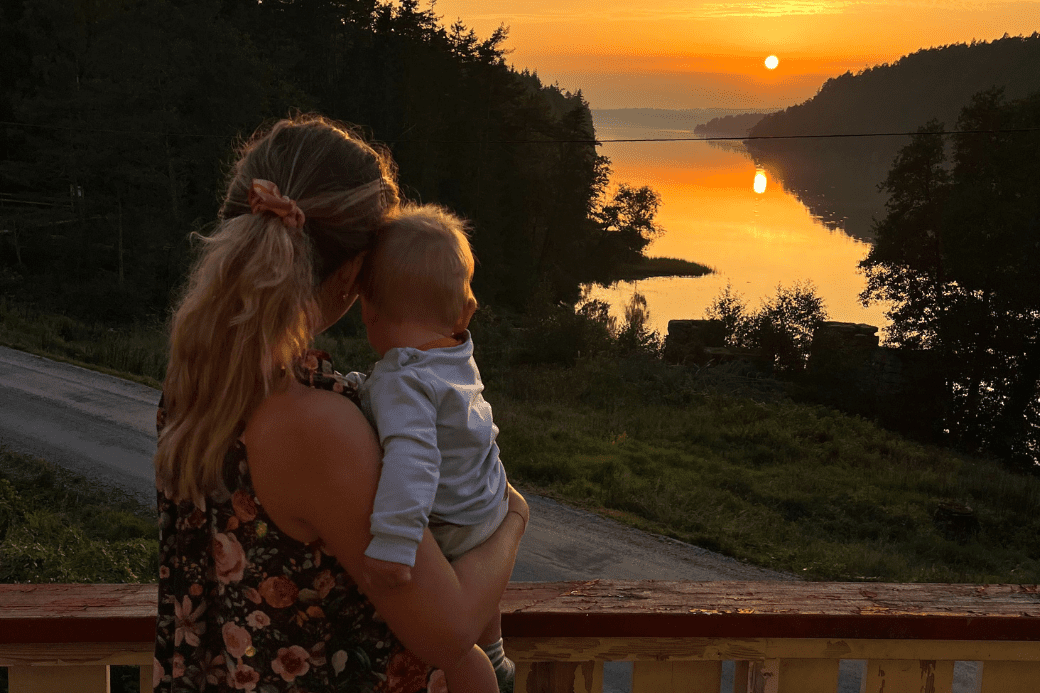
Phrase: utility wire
(720, 138)
(812, 136)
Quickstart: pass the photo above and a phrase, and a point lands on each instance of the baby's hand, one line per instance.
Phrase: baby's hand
(437, 684)
(385, 573)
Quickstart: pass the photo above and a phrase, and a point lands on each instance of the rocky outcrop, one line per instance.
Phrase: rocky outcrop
(703, 342)
(849, 369)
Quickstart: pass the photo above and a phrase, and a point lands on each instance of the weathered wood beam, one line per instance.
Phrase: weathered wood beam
(600, 608)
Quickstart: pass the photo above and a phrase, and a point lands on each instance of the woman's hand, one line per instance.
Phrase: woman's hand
(518, 505)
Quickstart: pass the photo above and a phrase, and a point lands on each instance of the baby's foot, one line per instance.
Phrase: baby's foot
(505, 672)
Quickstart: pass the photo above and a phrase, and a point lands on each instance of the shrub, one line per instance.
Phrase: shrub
(782, 328)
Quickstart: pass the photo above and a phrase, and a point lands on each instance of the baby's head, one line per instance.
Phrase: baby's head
(420, 270)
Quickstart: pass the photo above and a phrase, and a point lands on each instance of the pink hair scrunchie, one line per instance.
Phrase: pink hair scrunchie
(264, 196)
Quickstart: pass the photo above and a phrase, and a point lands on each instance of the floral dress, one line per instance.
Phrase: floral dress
(244, 607)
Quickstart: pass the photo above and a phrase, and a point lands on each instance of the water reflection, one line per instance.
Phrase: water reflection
(836, 179)
(754, 239)
(760, 181)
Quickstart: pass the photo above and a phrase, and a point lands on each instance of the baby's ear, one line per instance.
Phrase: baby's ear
(467, 314)
(350, 270)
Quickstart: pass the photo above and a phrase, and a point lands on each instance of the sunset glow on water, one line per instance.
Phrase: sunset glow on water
(712, 214)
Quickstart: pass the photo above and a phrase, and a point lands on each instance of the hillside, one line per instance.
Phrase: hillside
(930, 83)
(730, 126)
(838, 178)
(658, 118)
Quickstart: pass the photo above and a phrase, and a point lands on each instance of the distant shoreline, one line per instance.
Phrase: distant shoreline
(663, 267)
(672, 120)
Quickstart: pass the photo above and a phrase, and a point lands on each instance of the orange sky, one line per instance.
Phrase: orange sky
(709, 53)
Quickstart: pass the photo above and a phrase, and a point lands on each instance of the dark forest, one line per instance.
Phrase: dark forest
(119, 117)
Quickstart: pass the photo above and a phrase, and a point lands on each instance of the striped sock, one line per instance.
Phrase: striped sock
(505, 670)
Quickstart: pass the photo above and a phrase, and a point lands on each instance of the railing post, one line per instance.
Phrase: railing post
(927, 676)
(742, 676)
(676, 677)
(559, 677)
(146, 678)
(1009, 677)
(808, 675)
(763, 677)
(58, 679)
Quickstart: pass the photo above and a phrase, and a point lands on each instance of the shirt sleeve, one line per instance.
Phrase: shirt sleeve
(405, 415)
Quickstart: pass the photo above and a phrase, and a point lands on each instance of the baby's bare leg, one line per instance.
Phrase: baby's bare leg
(492, 633)
(471, 674)
(491, 642)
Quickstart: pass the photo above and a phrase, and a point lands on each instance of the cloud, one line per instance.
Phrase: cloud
(709, 9)
(788, 8)
(776, 8)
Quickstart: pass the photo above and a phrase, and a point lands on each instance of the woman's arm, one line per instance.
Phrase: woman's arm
(315, 466)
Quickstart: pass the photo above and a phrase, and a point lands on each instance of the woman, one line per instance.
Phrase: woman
(262, 552)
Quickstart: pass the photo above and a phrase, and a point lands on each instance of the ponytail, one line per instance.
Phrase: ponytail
(247, 312)
(250, 306)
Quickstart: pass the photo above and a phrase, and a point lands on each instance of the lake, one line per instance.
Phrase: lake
(713, 215)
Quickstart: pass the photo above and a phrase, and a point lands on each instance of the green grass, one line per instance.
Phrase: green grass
(718, 457)
(56, 526)
(787, 486)
(137, 352)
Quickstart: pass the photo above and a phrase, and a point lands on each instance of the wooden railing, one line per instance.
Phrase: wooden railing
(784, 637)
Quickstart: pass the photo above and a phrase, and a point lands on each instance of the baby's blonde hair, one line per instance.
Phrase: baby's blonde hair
(421, 267)
(250, 305)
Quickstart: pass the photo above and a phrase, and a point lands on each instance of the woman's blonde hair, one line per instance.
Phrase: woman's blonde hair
(250, 304)
(421, 266)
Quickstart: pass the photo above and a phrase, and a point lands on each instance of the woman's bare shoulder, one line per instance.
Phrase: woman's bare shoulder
(315, 428)
(299, 410)
(314, 461)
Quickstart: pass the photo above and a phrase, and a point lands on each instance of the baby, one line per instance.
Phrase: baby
(441, 464)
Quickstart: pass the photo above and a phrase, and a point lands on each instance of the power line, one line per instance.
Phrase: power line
(719, 138)
(818, 136)
(110, 131)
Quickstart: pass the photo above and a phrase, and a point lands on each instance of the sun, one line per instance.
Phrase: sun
(772, 61)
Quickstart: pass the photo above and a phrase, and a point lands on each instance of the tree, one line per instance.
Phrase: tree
(627, 222)
(993, 217)
(905, 266)
(631, 216)
(958, 255)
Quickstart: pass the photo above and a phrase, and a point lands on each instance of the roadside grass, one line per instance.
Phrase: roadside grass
(56, 526)
(136, 352)
(718, 457)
